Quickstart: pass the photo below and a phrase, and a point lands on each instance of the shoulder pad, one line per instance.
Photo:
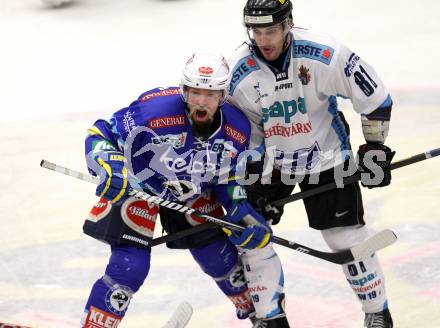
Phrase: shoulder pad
(236, 125)
(159, 92)
(313, 50)
(243, 68)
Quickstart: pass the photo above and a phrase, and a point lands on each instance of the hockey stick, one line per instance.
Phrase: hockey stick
(361, 251)
(327, 187)
(354, 178)
(180, 317)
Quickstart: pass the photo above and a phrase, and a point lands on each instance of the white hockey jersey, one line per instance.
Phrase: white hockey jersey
(294, 112)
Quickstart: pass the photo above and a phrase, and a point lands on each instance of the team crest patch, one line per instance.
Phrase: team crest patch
(99, 210)
(304, 75)
(117, 300)
(140, 216)
(206, 203)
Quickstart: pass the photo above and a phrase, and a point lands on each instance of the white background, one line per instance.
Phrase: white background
(61, 69)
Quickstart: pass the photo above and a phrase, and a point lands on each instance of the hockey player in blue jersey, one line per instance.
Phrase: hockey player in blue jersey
(175, 143)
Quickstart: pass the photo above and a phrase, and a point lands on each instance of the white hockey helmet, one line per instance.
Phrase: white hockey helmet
(205, 71)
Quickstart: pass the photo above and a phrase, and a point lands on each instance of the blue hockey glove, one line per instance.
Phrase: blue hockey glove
(113, 184)
(257, 233)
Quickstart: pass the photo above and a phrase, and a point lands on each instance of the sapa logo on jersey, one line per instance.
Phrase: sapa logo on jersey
(101, 319)
(100, 210)
(285, 109)
(139, 215)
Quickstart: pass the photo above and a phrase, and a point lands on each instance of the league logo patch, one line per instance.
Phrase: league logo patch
(100, 210)
(304, 75)
(140, 216)
(206, 203)
(117, 300)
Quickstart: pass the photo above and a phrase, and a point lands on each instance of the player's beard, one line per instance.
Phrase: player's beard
(201, 127)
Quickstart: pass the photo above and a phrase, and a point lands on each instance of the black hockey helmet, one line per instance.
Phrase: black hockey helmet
(263, 13)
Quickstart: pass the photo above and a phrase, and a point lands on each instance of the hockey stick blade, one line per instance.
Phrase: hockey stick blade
(378, 241)
(181, 316)
(341, 257)
(361, 251)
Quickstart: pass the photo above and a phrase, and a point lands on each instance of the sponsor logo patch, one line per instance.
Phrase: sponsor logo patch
(206, 203)
(161, 93)
(167, 121)
(140, 216)
(99, 210)
(283, 86)
(206, 70)
(281, 76)
(242, 69)
(175, 140)
(101, 319)
(286, 109)
(235, 134)
(313, 50)
(260, 95)
(351, 64)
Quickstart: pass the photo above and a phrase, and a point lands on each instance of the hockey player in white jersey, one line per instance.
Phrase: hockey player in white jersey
(286, 80)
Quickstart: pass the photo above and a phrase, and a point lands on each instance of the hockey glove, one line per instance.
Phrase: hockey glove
(370, 163)
(259, 195)
(257, 233)
(113, 184)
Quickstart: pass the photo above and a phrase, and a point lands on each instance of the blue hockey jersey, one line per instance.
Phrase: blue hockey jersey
(165, 157)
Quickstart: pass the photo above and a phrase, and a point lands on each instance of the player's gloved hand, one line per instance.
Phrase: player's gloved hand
(369, 163)
(257, 233)
(113, 184)
(259, 195)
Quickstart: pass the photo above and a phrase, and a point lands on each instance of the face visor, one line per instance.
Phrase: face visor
(267, 35)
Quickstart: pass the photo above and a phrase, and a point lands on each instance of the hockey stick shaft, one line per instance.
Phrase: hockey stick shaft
(378, 241)
(354, 178)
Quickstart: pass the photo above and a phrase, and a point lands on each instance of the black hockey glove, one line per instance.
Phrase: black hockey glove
(259, 195)
(369, 163)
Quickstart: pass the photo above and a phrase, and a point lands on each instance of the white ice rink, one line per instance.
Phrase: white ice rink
(61, 69)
